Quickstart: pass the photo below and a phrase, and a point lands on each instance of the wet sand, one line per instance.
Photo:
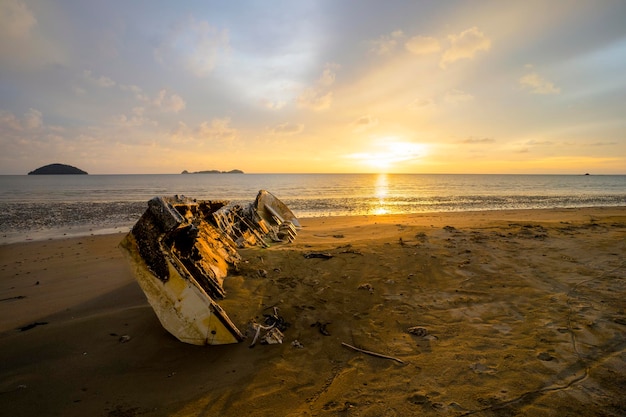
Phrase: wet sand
(512, 313)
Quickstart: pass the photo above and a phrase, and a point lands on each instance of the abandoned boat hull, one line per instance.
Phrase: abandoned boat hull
(184, 309)
(272, 210)
(182, 249)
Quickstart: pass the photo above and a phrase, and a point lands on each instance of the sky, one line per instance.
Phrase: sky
(396, 86)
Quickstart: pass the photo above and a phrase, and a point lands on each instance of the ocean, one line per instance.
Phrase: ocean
(36, 207)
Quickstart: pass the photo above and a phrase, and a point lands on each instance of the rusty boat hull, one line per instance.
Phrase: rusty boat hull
(181, 250)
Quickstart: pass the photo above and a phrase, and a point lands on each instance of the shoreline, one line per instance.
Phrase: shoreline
(87, 230)
(515, 311)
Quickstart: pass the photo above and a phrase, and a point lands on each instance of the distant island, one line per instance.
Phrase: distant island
(214, 171)
(57, 169)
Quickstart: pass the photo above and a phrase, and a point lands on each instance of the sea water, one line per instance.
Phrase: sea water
(43, 206)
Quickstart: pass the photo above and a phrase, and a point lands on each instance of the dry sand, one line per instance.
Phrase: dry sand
(518, 313)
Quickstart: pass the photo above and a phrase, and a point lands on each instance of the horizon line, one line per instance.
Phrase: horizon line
(321, 173)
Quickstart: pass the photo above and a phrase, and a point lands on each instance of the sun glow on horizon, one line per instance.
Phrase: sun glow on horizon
(388, 153)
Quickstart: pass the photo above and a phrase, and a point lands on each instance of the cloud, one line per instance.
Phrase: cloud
(164, 100)
(125, 121)
(136, 119)
(79, 91)
(132, 88)
(217, 130)
(422, 45)
(9, 122)
(422, 103)
(465, 46)
(32, 120)
(16, 19)
(102, 81)
(473, 140)
(139, 111)
(386, 43)
(22, 46)
(328, 75)
(272, 105)
(169, 102)
(539, 142)
(287, 129)
(27, 139)
(181, 133)
(457, 96)
(603, 144)
(313, 99)
(318, 97)
(196, 43)
(536, 84)
(364, 122)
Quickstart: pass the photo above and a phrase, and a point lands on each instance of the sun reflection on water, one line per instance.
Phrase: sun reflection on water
(381, 191)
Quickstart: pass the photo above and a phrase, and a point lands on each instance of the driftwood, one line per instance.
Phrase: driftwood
(367, 352)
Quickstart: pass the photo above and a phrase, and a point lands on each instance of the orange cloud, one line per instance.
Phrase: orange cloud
(464, 46)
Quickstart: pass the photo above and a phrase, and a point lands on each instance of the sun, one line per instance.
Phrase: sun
(389, 154)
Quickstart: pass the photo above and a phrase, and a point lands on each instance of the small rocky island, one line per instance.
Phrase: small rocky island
(214, 171)
(57, 169)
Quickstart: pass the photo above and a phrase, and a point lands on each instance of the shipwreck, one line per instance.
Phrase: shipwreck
(181, 249)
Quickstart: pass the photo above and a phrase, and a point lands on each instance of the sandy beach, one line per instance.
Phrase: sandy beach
(497, 313)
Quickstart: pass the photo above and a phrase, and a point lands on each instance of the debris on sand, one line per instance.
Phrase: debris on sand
(322, 327)
(320, 255)
(417, 331)
(32, 325)
(274, 325)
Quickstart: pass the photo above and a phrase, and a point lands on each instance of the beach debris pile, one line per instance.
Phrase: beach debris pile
(181, 249)
(273, 325)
